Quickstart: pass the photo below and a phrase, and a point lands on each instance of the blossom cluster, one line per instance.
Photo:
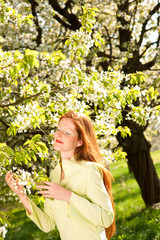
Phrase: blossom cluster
(3, 231)
(30, 115)
(25, 179)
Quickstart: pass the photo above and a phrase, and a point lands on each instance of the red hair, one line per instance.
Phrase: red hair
(89, 151)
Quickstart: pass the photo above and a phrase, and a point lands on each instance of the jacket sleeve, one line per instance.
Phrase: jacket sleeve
(95, 207)
(43, 219)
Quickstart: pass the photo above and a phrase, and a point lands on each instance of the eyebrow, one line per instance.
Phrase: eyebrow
(67, 129)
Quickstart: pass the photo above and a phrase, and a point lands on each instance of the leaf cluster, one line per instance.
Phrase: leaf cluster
(37, 86)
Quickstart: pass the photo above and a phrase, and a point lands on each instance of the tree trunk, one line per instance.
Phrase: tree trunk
(140, 161)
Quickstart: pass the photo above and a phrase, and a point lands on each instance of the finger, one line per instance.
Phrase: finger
(9, 180)
(44, 193)
(8, 174)
(49, 183)
(40, 183)
(42, 187)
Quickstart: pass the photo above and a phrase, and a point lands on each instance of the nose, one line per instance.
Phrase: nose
(58, 133)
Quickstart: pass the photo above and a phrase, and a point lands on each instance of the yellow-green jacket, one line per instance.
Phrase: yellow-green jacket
(90, 209)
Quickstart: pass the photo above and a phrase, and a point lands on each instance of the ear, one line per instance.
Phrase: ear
(80, 142)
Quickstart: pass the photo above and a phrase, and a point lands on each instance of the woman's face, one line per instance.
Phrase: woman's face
(66, 138)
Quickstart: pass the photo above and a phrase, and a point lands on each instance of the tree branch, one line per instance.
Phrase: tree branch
(20, 100)
(74, 23)
(5, 124)
(147, 47)
(151, 13)
(34, 4)
(134, 14)
(124, 33)
(103, 54)
(148, 65)
(110, 45)
(64, 24)
(155, 69)
(134, 64)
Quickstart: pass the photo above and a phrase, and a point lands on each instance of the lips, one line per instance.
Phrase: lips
(58, 141)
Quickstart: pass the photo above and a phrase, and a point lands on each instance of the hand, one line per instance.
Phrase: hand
(13, 184)
(55, 191)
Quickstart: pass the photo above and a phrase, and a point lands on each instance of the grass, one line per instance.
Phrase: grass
(133, 219)
(23, 229)
(156, 156)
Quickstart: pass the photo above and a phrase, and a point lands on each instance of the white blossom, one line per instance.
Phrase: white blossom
(3, 231)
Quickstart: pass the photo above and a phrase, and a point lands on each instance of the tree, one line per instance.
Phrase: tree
(127, 27)
(45, 72)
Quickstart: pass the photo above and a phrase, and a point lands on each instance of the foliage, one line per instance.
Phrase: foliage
(38, 83)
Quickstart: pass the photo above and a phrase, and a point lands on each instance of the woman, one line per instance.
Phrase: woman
(78, 198)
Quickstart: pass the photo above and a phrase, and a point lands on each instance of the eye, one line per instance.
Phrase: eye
(68, 132)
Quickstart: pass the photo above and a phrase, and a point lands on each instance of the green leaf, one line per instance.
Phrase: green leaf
(7, 150)
(36, 137)
(43, 147)
(2, 145)
(33, 156)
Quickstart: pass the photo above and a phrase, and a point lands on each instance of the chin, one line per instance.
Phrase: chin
(56, 147)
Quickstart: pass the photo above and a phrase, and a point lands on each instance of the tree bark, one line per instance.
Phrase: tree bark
(73, 21)
(34, 4)
(139, 159)
(137, 147)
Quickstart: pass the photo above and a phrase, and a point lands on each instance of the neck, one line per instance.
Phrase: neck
(66, 156)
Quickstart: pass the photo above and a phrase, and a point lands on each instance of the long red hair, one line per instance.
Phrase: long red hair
(89, 151)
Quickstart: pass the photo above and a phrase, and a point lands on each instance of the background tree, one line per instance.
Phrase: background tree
(130, 30)
(43, 75)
